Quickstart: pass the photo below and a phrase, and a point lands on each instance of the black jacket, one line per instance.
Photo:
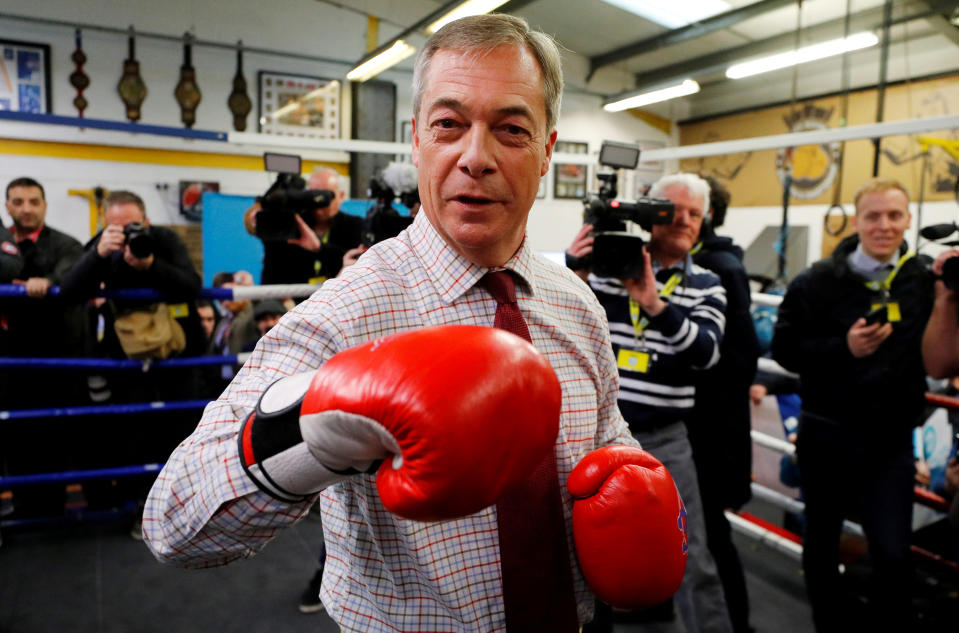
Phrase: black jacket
(820, 306)
(45, 327)
(285, 263)
(172, 273)
(719, 428)
(11, 261)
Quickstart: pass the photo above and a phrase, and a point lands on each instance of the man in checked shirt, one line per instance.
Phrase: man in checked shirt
(486, 99)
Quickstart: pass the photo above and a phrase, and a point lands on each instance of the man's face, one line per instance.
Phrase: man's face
(677, 238)
(324, 180)
(233, 305)
(266, 322)
(882, 218)
(481, 145)
(27, 208)
(124, 213)
(207, 319)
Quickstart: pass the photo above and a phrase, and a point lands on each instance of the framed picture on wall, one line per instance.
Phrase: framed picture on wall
(298, 105)
(25, 77)
(569, 179)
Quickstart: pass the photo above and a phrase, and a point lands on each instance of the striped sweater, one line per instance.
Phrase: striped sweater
(683, 338)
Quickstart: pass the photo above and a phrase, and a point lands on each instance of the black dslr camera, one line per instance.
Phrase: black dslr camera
(950, 267)
(286, 198)
(139, 240)
(382, 221)
(617, 252)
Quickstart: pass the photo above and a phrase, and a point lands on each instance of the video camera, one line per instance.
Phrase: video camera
(382, 221)
(616, 251)
(287, 197)
(950, 267)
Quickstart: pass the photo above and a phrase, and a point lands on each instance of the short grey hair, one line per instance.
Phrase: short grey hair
(329, 171)
(690, 182)
(481, 34)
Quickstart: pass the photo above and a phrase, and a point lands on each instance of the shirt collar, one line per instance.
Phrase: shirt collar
(451, 273)
(859, 260)
(32, 236)
(683, 264)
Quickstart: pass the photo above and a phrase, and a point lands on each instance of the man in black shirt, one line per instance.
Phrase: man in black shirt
(110, 260)
(318, 253)
(851, 326)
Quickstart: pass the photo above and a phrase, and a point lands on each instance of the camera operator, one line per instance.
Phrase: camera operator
(940, 341)
(851, 326)
(325, 238)
(666, 325)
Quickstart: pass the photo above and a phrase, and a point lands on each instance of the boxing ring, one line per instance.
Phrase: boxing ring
(90, 413)
(744, 523)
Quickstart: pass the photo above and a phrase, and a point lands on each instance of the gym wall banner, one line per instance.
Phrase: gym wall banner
(755, 178)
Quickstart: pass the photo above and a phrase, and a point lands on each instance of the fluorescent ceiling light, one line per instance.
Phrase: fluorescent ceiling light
(806, 54)
(672, 13)
(377, 64)
(688, 87)
(470, 7)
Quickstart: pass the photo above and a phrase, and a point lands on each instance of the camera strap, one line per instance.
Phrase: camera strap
(884, 285)
(893, 314)
(641, 322)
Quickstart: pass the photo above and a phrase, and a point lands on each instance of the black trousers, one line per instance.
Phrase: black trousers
(720, 543)
(868, 468)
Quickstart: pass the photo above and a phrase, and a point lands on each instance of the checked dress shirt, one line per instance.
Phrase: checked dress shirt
(384, 573)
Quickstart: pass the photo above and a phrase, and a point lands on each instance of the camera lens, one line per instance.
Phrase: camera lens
(950, 273)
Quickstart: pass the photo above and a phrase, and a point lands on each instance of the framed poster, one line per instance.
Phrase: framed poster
(191, 198)
(25, 77)
(298, 105)
(569, 180)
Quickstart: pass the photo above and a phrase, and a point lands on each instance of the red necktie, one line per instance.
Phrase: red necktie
(537, 583)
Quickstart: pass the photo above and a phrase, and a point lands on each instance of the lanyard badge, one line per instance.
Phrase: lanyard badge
(893, 313)
(640, 358)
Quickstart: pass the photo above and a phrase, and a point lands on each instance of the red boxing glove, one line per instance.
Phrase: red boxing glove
(457, 413)
(629, 524)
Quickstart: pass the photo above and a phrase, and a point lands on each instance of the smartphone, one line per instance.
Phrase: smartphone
(878, 315)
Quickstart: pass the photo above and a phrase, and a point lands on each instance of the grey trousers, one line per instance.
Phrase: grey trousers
(699, 601)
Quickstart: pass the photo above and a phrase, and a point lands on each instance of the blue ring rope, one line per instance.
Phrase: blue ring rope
(102, 409)
(115, 364)
(132, 294)
(12, 481)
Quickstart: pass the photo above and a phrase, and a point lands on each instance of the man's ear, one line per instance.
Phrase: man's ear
(550, 143)
(416, 144)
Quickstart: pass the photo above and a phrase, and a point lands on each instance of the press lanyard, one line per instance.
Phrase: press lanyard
(696, 249)
(883, 286)
(641, 322)
(317, 264)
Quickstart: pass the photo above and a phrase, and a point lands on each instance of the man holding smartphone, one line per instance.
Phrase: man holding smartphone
(851, 325)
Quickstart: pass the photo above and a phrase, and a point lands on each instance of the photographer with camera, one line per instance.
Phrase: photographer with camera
(130, 253)
(666, 323)
(851, 327)
(305, 237)
(940, 342)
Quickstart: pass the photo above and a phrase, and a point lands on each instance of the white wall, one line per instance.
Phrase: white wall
(744, 224)
(315, 28)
